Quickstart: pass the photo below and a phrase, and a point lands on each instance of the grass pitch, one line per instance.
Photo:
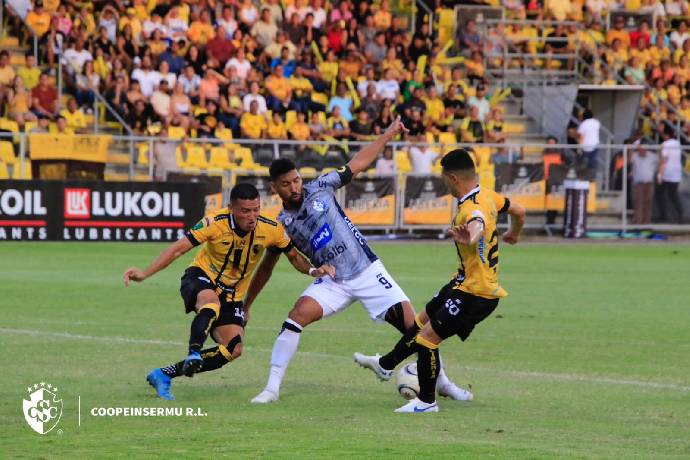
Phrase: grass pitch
(587, 357)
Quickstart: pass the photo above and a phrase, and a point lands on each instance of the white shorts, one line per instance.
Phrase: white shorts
(375, 288)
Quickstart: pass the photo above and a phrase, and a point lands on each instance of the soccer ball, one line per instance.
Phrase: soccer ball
(407, 381)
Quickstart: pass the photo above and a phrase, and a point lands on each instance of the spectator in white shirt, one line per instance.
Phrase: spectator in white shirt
(254, 96)
(228, 22)
(480, 101)
(644, 166)
(148, 79)
(679, 35)
(76, 56)
(385, 165)
(588, 132)
(154, 23)
(240, 63)
(388, 88)
(191, 83)
(669, 175)
(298, 7)
(421, 157)
(319, 13)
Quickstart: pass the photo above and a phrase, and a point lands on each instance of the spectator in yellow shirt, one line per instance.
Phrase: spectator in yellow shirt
(201, 31)
(134, 22)
(434, 106)
(253, 125)
(279, 91)
(383, 17)
(85, 19)
(337, 125)
(39, 19)
(73, 115)
(299, 131)
(29, 73)
(276, 128)
(61, 127)
(618, 32)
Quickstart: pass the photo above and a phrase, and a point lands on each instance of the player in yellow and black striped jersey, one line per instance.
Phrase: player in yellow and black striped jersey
(473, 293)
(233, 241)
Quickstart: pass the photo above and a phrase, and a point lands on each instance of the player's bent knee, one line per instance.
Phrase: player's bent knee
(305, 311)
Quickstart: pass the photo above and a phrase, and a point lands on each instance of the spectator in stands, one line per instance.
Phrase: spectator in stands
(254, 96)
(147, 77)
(227, 21)
(470, 40)
(317, 130)
(371, 102)
(74, 116)
(277, 11)
(388, 88)
(284, 61)
(644, 165)
(191, 83)
(253, 124)
(679, 36)
(240, 63)
(642, 32)
(76, 55)
(44, 98)
(342, 13)
(279, 91)
(88, 83)
(208, 120)
(343, 101)
(265, 31)
(231, 109)
(172, 57)
(588, 132)
(180, 106)
(337, 126)
(299, 130)
(19, 102)
(140, 117)
(61, 126)
(156, 44)
(385, 165)
(275, 128)
(376, 50)
(6, 75)
(29, 73)
(160, 101)
(480, 101)
(248, 15)
(201, 30)
(319, 13)
(209, 88)
(301, 93)
(109, 18)
(415, 123)
(164, 156)
(494, 127)
(421, 156)
(38, 19)
(362, 129)
(618, 32)
(384, 119)
(176, 27)
(669, 176)
(295, 30)
(472, 128)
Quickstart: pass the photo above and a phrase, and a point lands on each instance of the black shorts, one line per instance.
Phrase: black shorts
(453, 311)
(196, 280)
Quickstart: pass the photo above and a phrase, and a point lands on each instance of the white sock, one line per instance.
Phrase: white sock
(284, 348)
(442, 379)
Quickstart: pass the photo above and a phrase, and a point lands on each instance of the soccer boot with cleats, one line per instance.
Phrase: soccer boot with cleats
(417, 406)
(161, 383)
(372, 363)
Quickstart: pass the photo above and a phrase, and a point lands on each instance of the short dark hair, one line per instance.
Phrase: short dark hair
(587, 114)
(280, 167)
(458, 160)
(244, 192)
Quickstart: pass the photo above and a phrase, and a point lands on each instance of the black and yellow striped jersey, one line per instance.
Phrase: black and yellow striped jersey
(229, 256)
(478, 263)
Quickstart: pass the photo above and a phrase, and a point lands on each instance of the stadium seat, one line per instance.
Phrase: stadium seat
(220, 159)
(244, 155)
(196, 157)
(143, 154)
(448, 140)
(179, 159)
(29, 125)
(402, 162)
(7, 153)
(319, 98)
(17, 175)
(4, 173)
(482, 156)
(224, 134)
(176, 132)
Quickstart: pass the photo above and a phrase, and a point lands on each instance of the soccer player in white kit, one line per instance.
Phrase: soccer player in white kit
(320, 230)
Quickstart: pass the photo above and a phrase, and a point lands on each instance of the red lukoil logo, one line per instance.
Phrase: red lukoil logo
(77, 203)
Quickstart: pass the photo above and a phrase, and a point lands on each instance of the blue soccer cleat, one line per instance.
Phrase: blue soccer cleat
(192, 364)
(161, 382)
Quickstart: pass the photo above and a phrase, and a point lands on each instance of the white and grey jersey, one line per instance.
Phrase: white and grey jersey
(323, 233)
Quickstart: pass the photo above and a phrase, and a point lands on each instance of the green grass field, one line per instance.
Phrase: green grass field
(589, 356)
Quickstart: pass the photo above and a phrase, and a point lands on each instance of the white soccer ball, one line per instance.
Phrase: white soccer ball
(407, 381)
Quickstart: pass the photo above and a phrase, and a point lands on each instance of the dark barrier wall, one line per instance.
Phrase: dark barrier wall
(99, 211)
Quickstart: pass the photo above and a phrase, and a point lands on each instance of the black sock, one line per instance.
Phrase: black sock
(405, 347)
(201, 325)
(173, 370)
(428, 366)
(214, 358)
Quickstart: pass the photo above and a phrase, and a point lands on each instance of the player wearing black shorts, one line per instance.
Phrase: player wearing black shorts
(473, 293)
(234, 241)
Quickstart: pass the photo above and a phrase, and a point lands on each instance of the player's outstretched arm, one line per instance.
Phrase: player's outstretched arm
(517, 221)
(302, 265)
(366, 156)
(165, 258)
(468, 234)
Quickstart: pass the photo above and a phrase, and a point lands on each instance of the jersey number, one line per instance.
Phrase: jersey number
(239, 312)
(493, 249)
(382, 279)
(453, 306)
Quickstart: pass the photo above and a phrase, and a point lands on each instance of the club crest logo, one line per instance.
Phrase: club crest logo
(319, 206)
(43, 409)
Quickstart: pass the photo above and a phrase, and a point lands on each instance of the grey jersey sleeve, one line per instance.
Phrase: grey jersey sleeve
(335, 179)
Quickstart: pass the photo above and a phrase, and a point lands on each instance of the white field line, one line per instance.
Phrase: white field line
(561, 377)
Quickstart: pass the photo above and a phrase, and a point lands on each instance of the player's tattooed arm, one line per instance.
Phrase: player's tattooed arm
(168, 256)
(302, 265)
(517, 221)
(366, 156)
(263, 274)
(467, 234)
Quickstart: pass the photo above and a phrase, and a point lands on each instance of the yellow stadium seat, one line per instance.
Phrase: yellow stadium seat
(513, 128)
(196, 156)
(29, 125)
(290, 119)
(176, 132)
(244, 155)
(224, 134)
(143, 155)
(307, 171)
(179, 159)
(9, 125)
(4, 173)
(322, 118)
(402, 162)
(482, 156)
(7, 153)
(447, 139)
(319, 98)
(220, 158)
(16, 174)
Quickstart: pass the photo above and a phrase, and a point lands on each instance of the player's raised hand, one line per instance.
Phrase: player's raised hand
(324, 270)
(396, 128)
(133, 274)
(510, 238)
(460, 234)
